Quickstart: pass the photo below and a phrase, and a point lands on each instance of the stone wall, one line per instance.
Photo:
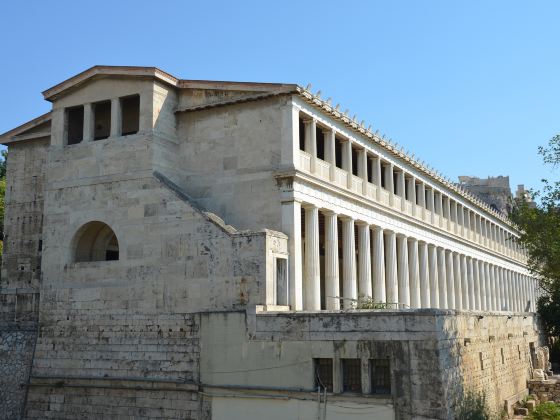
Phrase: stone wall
(435, 354)
(545, 390)
(21, 271)
(229, 157)
(23, 219)
(16, 352)
(132, 323)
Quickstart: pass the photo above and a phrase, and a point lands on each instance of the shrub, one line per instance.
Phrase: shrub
(546, 411)
(472, 406)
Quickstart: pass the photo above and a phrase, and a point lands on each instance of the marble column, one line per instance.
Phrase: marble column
(504, 282)
(291, 224)
(376, 162)
(89, 123)
(500, 288)
(495, 288)
(116, 118)
(511, 290)
(389, 182)
(413, 273)
(477, 290)
(391, 269)
(330, 152)
(458, 281)
(332, 292)
(349, 286)
(312, 279)
(311, 133)
(489, 291)
(424, 274)
(442, 280)
(433, 275)
(402, 264)
(464, 283)
(379, 294)
(470, 277)
(450, 277)
(362, 169)
(483, 288)
(364, 262)
(507, 285)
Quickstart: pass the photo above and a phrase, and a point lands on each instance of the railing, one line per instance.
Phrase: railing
(372, 191)
(340, 177)
(419, 212)
(357, 184)
(408, 207)
(384, 196)
(305, 161)
(323, 169)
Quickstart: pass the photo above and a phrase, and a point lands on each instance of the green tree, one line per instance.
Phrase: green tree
(540, 235)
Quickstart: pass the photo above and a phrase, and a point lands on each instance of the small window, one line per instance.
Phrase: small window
(320, 139)
(383, 181)
(301, 134)
(503, 357)
(369, 169)
(130, 111)
(75, 124)
(95, 241)
(352, 375)
(481, 359)
(102, 120)
(324, 374)
(380, 374)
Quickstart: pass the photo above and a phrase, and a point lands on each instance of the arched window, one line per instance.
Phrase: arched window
(96, 241)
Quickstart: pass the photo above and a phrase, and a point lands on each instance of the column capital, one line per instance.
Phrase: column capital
(309, 120)
(328, 212)
(401, 235)
(346, 218)
(377, 228)
(308, 205)
(361, 223)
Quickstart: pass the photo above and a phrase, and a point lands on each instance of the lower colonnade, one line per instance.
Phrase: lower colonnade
(347, 261)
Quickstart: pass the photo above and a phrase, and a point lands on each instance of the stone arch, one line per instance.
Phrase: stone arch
(95, 241)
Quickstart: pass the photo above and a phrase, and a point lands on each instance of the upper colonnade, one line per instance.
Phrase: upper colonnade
(440, 248)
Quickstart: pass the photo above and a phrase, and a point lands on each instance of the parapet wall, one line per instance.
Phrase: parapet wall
(435, 355)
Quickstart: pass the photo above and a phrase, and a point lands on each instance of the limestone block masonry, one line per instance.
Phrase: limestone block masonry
(185, 249)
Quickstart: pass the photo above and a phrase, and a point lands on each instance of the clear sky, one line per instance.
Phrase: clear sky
(470, 87)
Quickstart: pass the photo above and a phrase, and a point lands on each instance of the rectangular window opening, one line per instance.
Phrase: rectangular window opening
(338, 152)
(383, 181)
(301, 134)
(352, 375)
(503, 357)
(395, 181)
(320, 138)
(130, 111)
(354, 161)
(380, 374)
(102, 120)
(324, 373)
(75, 124)
(369, 169)
(481, 361)
(406, 189)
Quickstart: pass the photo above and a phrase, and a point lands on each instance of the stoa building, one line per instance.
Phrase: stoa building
(223, 250)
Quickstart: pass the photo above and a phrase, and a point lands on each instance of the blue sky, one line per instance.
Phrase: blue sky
(471, 87)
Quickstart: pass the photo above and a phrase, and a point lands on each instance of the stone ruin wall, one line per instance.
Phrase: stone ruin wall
(21, 272)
